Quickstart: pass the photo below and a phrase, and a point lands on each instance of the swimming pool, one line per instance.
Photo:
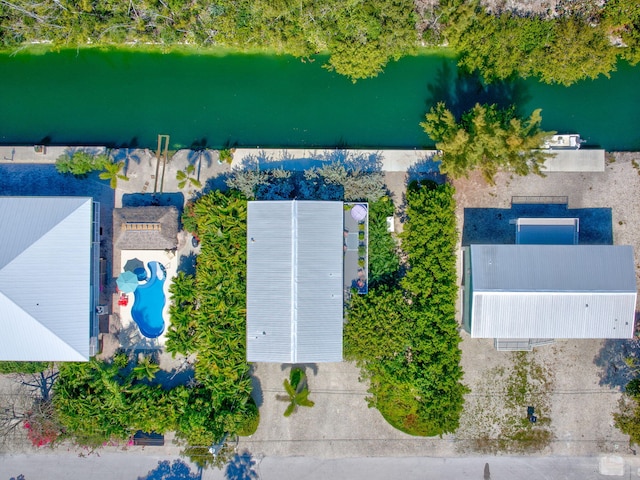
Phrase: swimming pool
(149, 301)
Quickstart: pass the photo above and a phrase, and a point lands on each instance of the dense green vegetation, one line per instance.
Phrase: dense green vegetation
(383, 255)
(23, 367)
(622, 18)
(627, 419)
(361, 36)
(208, 318)
(81, 164)
(98, 402)
(560, 49)
(488, 139)
(403, 334)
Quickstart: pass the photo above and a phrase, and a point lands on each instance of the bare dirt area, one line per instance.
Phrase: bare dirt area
(574, 385)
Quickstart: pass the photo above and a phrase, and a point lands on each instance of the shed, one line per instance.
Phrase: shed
(46, 303)
(551, 291)
(294, 281)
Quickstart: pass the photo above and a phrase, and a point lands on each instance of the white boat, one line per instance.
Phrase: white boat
(569, 141)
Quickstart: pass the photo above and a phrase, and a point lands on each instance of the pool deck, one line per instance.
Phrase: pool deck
(130, 337)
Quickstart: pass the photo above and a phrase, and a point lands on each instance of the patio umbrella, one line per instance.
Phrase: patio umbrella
(359, 212)
(127, 282)
(133, 264)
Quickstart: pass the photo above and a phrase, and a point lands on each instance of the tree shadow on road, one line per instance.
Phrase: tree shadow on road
(178, 470)
(242, 467)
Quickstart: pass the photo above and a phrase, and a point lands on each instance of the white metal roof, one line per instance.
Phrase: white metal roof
(552, 291)
(294, 281)
(45, 268)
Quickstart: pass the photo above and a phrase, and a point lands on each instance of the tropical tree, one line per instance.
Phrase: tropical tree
(297, 391)
(185, 177)
(99, 401)
(112, 173)
(208, 318)
(145, 369)
(622, 19)
(561, 49)
(403, 335)
(488, 139)
(80, 163)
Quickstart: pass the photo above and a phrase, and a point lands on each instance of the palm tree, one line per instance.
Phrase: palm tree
(112, 173)
(145, 369)
(297, 392)
(184, 177)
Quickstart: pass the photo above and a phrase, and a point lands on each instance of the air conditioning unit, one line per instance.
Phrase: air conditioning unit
(390, 224)
(102, 310)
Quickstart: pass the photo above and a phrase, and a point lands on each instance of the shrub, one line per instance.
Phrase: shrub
(383, 255)
(633, 388)
(208, 318)
(80, 163)
(252, 420)
(226, 155)
(23, 367)
(404, 334)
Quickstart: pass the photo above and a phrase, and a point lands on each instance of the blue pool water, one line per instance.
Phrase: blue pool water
(149, 302)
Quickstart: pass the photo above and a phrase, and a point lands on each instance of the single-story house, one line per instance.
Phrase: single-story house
(547, 287)
(557, 291)
(295, 281)
(48, 278)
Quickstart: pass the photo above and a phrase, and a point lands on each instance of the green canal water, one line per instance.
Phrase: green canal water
(126, 98)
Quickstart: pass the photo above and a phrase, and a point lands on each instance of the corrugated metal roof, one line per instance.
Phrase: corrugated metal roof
(552, 291)
(294, 281)
(45, 278)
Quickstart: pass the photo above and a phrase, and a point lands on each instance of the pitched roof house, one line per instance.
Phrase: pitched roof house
(294, 281)
(46, 287)
(550, 291)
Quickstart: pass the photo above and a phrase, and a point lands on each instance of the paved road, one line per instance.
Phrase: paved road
(145, 466)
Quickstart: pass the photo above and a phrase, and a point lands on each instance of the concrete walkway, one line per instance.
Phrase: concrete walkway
(301, 159)
(40, 154)
(206, 160)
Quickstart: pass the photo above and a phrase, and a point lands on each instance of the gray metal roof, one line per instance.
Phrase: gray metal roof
(552, 291)
(45, 266)
(294, 281)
